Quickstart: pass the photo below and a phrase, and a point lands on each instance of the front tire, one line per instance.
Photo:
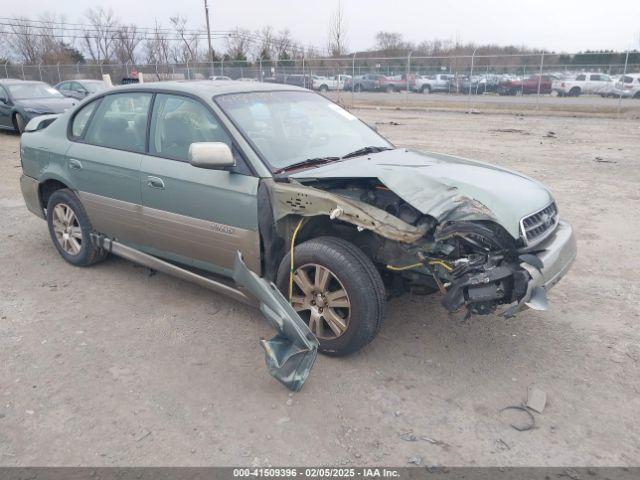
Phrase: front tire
(19, 123)
(338, 291)
(70, 229)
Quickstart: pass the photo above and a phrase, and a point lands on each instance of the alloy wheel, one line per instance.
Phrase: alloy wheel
(67, 229)
(321, 301)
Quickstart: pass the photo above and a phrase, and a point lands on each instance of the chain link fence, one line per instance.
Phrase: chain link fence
(523, 77)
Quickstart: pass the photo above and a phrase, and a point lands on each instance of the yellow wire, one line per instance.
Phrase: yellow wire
(415, 265)
(408, 267)
(291, 270)
(442, 264)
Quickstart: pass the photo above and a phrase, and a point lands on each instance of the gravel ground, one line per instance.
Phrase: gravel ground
(107, 366)
(584, 105)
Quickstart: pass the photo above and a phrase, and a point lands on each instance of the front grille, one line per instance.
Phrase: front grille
(540, 225)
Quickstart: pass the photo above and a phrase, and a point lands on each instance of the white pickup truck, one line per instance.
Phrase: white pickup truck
(433, 83)
(584, 83)
(325, 84)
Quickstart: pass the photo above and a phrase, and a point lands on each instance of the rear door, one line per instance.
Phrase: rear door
(108, 138)
(196, 216)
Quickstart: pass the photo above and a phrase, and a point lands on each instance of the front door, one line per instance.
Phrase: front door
(192, 215)
(5, 108)
(104, 162)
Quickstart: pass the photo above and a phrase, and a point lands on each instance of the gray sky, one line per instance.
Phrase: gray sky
(567, 25)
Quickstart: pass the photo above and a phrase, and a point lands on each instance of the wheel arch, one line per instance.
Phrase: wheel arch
(47, 187)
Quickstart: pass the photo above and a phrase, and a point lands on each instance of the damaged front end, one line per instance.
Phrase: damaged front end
(461, 250)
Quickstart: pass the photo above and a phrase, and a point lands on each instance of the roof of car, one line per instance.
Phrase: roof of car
(208, 88)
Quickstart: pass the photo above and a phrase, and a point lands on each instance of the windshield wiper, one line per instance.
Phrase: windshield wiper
(365, 151)
(308, 163)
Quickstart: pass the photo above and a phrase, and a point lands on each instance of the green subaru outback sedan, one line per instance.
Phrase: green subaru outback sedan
(203, 179)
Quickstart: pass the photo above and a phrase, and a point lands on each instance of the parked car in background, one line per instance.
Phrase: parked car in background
(220, 77)
(398, 83)
(583, 83)
(527, 86)
(371, 82)
(79, 89)
(628, 86)
(326, 84)
(305, 81)
(440, 82)
(22, 100)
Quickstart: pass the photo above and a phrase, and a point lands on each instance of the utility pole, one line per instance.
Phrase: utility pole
(206, 12)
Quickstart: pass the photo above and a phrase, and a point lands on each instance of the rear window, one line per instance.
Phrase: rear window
(120, 122)
(581, 77)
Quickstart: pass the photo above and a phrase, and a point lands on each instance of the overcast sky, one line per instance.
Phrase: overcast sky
(560, 25)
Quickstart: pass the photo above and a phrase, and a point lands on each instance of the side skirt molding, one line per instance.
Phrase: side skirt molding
(159, 265)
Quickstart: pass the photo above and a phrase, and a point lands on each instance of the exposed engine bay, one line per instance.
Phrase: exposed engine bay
(475, 264)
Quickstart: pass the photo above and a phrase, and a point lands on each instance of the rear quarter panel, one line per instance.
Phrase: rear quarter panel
(43, 152)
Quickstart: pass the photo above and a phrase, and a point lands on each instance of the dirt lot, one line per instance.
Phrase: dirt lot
(591, 105)
(108, 366)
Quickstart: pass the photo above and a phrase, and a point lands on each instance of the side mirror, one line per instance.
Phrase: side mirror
(211, 155)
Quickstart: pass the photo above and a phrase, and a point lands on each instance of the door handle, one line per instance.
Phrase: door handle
(75, 164)
(155, 182)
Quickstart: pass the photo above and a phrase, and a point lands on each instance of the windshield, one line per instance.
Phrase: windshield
(94, 87)
(25, 91)
(290, 127)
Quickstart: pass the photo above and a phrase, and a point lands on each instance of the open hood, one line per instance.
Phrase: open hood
(444, 186)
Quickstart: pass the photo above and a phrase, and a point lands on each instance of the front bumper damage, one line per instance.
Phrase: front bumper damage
(556, 255)
(515, 285)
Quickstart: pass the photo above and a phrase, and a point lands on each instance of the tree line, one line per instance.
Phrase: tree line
(101, 38)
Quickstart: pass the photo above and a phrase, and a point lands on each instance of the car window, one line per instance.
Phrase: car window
(81, 118)
(76, 87)
(581, 77)
(177, 122)
(595, 78)
(289, 127)
(120, 122)
(28, 90)
(64, 86)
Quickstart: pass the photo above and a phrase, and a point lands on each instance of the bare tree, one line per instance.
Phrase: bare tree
(338, 32)
(390, 42)
(99, 40)
(157, 46)
(238, 44)
(282, 45)
(23, 40)
(187, 48)
(126, 43)
(265, 43)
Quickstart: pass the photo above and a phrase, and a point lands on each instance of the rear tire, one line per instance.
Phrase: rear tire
(70, 229)
(389, 89)
(425, 89)
(574, 92)
(352, 273)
